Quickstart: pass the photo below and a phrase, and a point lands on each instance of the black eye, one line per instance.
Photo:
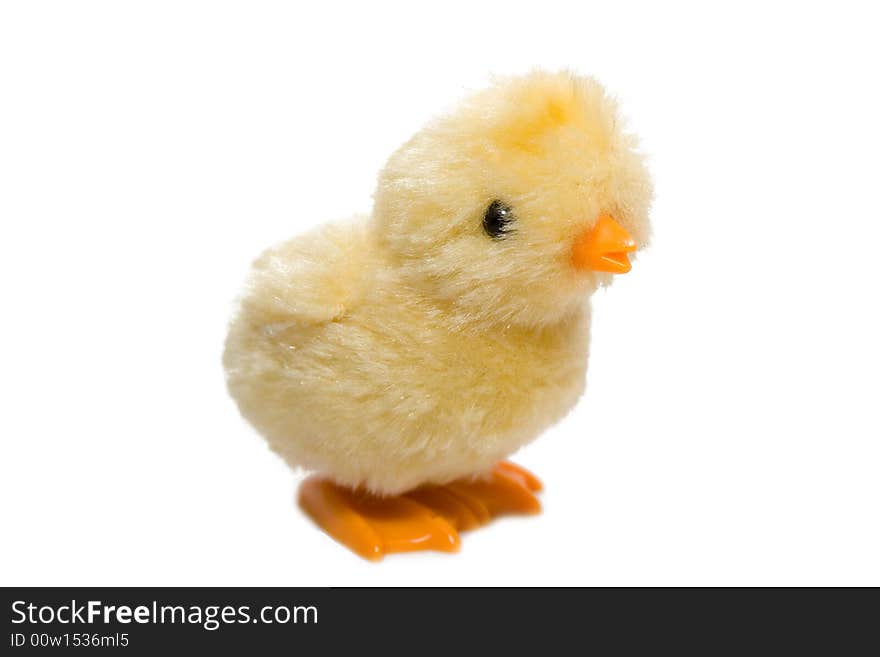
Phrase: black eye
(498, 220)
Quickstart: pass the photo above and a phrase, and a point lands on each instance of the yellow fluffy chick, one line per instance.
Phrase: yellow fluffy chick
(423, 344)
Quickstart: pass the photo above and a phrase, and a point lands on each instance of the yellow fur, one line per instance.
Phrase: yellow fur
(410, 347)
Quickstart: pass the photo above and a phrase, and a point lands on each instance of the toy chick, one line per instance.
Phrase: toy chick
(403, 356)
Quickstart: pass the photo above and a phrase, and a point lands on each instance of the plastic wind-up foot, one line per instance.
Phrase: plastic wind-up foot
(373, 526)
(508, 489)
(427, 518)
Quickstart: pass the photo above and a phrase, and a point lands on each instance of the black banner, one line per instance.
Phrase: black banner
(402, 621)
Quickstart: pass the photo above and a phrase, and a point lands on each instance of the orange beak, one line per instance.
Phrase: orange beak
(604, 247)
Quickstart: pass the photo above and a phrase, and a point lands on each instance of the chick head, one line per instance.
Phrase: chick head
(518, 204)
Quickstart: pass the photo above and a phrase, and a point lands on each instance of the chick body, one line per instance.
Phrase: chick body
(348, 371)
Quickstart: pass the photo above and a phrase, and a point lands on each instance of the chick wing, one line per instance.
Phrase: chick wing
(309, 280)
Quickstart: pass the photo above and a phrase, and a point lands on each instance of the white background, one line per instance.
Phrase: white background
(148, 151)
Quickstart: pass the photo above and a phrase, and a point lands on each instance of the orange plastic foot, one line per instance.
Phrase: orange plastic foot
(427, 518)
